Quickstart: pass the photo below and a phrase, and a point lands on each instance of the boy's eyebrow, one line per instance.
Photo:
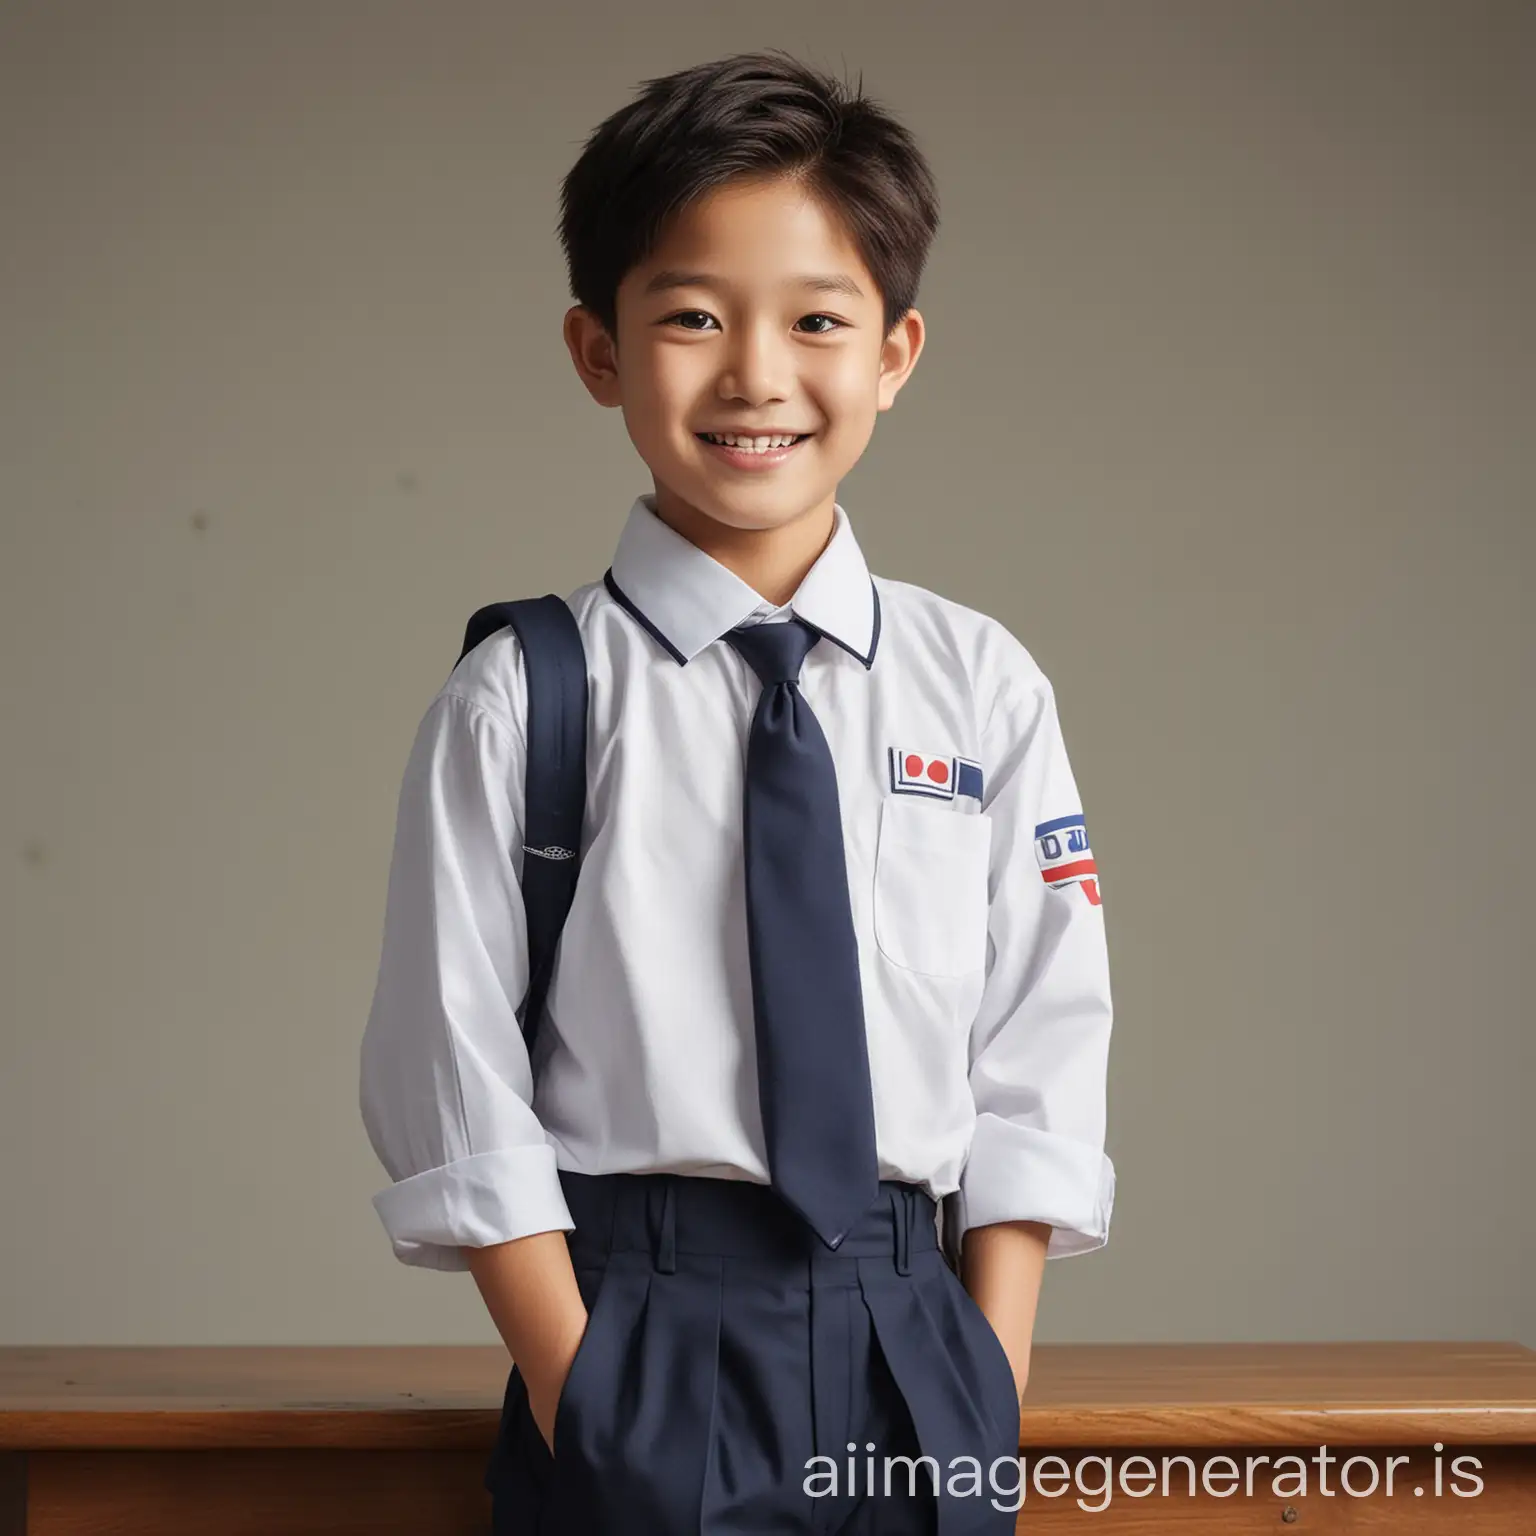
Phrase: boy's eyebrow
(829, 282)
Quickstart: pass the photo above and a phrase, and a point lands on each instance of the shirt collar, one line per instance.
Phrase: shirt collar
(686, 599)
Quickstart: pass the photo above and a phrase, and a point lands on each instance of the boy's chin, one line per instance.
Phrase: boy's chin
(748, 508)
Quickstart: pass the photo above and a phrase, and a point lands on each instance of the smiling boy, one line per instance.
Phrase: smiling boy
(837, 948)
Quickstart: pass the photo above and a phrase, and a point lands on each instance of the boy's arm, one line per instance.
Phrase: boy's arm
(445, 1087)
(1036, 1183)
(530, 1290)
(1002, 1266)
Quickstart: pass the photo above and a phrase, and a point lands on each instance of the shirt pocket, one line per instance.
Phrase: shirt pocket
(931, 869)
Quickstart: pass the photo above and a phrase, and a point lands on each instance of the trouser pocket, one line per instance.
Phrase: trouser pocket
(517, 1476)
(955, 1381)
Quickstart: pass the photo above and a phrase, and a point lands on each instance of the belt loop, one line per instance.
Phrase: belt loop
(666, 1243)
(610, 1188)
(903, 1220)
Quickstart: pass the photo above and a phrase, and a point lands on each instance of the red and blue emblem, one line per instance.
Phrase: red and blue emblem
(1061, 846)
(935, 778)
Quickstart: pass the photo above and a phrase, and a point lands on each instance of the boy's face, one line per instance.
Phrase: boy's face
(745, 345)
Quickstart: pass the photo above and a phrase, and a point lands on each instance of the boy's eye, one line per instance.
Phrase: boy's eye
(688, 314)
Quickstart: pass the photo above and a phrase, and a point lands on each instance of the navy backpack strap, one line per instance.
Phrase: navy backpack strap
(555, 781)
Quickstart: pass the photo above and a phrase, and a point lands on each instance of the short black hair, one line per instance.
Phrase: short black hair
(748, 116)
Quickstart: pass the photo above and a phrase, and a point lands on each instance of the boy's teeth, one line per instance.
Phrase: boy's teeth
(751, 444)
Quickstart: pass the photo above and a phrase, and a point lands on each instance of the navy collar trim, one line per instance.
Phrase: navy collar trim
(874, 631)
(623, 599)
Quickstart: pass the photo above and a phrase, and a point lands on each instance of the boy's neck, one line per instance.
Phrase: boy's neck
(772, 561)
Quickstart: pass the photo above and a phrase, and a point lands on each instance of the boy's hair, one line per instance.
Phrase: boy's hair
(749, 116)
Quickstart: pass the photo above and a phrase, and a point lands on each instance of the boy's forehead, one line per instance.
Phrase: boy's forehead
(754, 233)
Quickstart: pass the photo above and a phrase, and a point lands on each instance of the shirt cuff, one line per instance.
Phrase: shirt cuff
(1019, 1173)
(492, 1197)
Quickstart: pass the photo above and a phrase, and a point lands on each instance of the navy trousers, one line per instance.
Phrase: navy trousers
(727, 1349)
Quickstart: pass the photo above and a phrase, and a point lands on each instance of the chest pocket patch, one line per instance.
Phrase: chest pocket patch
(930, 903)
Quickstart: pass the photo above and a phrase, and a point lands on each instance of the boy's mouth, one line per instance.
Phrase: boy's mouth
(745, 452)
(766, 443)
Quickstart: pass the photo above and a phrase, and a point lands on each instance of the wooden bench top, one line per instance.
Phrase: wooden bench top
(430, 1397)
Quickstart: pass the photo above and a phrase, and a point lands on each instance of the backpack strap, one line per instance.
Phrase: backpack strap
(555, 778)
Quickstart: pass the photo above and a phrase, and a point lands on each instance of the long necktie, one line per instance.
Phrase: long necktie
(812, 1058)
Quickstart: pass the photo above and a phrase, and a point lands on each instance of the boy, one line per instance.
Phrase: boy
(836, 951)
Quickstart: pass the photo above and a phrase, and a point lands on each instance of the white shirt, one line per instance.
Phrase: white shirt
(981, 938)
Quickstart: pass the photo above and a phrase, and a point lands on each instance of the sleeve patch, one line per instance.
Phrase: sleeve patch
(1065, 856)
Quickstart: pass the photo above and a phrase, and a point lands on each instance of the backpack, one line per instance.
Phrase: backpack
(555, 796)
(555, 779)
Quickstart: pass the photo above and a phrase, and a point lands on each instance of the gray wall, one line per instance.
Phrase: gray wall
(1225, 411)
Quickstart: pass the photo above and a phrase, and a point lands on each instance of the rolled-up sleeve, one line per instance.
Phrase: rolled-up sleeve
(445, 1088)
(1039, 1041)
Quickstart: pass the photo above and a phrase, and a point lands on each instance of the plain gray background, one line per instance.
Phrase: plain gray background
(1226, 411)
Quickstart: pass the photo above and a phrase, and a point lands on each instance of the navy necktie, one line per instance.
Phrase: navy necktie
(812, 1058)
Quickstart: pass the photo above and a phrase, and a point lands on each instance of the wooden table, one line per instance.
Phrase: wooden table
(241, 1441)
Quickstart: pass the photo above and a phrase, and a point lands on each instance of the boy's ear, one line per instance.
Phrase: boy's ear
(592, 351)
(898, 356)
